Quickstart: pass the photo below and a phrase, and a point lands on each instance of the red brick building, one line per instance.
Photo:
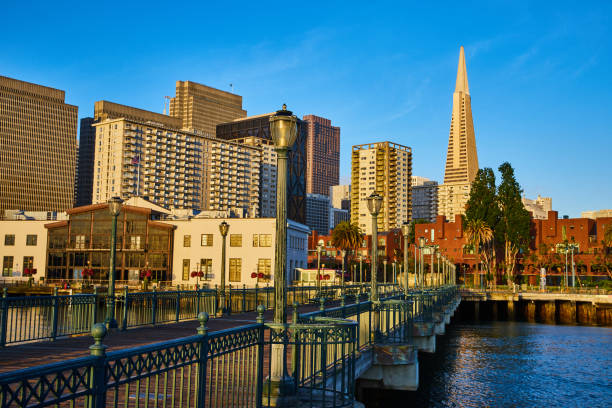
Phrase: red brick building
(546, 246)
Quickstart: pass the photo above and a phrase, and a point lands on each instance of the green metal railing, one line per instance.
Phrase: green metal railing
(229, 367)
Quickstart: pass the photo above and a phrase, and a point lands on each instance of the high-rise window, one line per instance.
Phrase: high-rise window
(262, 240)
(186, 268)
(31, 240)
(235, 240)
(7, 266)
(207, 240)
(9, 239)
(235, 269)
(264, 266)
(28, 262)
(186, 241)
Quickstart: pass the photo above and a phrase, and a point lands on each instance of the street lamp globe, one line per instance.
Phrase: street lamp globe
(421, 242)
(224, 228)
(406, 229)
(321, 243)
(114, 206)
(283, 128)
(374, 204)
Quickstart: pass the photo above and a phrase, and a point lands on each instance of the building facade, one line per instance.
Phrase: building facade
(322, 155)
(425, 200)
(461, 156)
(23, 246)
(83, 241)
(250, 246)
(341, 196)
(201, 108)
(258, 127)
(38, 141)
(338, 215)
(144, 155)
(85, 163)
(384, 168)
(317, 212)
(539, 207)
(596, 214)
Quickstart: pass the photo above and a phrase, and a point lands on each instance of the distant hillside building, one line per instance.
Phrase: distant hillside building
(596, 214)
(539, 207)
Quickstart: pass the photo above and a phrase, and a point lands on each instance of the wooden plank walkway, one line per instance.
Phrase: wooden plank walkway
(43, 352)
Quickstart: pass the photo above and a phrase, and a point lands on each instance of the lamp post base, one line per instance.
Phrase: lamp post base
(111, 324)
(279, 392)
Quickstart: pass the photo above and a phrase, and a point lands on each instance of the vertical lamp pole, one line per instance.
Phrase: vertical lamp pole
(114, 207)
(374, 205)
(283, 129)
(406, 229)
(573, 269)
(421, 269)
(223, 229)
(320, 245)
(343, 253)
(360, 269)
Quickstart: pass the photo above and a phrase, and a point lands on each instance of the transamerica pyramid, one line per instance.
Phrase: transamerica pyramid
(461, 157)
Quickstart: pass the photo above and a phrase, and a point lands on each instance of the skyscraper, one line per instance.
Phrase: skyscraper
(384, 168)
(85, 163)
(322, 155)
(248, 130)
(461, 157)
(201, 108)
(38, 140)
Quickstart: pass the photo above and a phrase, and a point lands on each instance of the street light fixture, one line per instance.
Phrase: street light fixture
(421, 269)
(114, 207)
(374, 206)
(406, 230)
(223, 229)
(320, 246)
(283, 130)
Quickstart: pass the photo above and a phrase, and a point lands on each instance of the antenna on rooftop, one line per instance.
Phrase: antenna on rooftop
(232, 88)
(166, 102)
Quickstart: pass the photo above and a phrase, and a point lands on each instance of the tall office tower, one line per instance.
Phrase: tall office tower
(424, 199)
(317, 213)
(340, 196)
(322, 155)
(461, 156)
(384, 168)
(170, 167)
(38, 139)
(201, 108)
(256, 129)
(85, 163)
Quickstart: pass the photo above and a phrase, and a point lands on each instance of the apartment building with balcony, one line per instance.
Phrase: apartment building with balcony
(384, 168)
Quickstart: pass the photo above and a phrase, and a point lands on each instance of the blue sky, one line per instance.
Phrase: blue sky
(539, 73)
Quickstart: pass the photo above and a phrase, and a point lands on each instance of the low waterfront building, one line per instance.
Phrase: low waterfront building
(23, 245)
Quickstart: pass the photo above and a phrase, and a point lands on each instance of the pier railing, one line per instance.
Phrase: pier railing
(36, 318)
(230, 367)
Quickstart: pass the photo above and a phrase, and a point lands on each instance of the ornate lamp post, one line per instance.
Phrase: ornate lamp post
(223, 229)
(283, 129)
(374, 205)
(320, 245)
(114, 207)
(406, 230)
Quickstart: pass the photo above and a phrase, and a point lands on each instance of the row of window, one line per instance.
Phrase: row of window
(7, 264)
(264, 266)
(259, 240)
(31, 240)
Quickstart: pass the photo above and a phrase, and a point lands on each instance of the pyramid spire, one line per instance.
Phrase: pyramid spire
(462, 81)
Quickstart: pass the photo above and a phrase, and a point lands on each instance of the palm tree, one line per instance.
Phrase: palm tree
(347, 237)
(478, 234)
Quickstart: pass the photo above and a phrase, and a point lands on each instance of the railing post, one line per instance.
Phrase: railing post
(295, 356)
(94, 311)
(197, 289)
(125, 308)
(243, 297)
(322, 306)
(154, 305)
(260, 357)
(267, 295)
(4, 317)
(54, 315)
(97, 382)
(256, 295)
(178, 302)
(202, 360)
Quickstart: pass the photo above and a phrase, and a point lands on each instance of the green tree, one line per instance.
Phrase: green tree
(347, 237)
(515, 221)
(482, 204)
(480, 236)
